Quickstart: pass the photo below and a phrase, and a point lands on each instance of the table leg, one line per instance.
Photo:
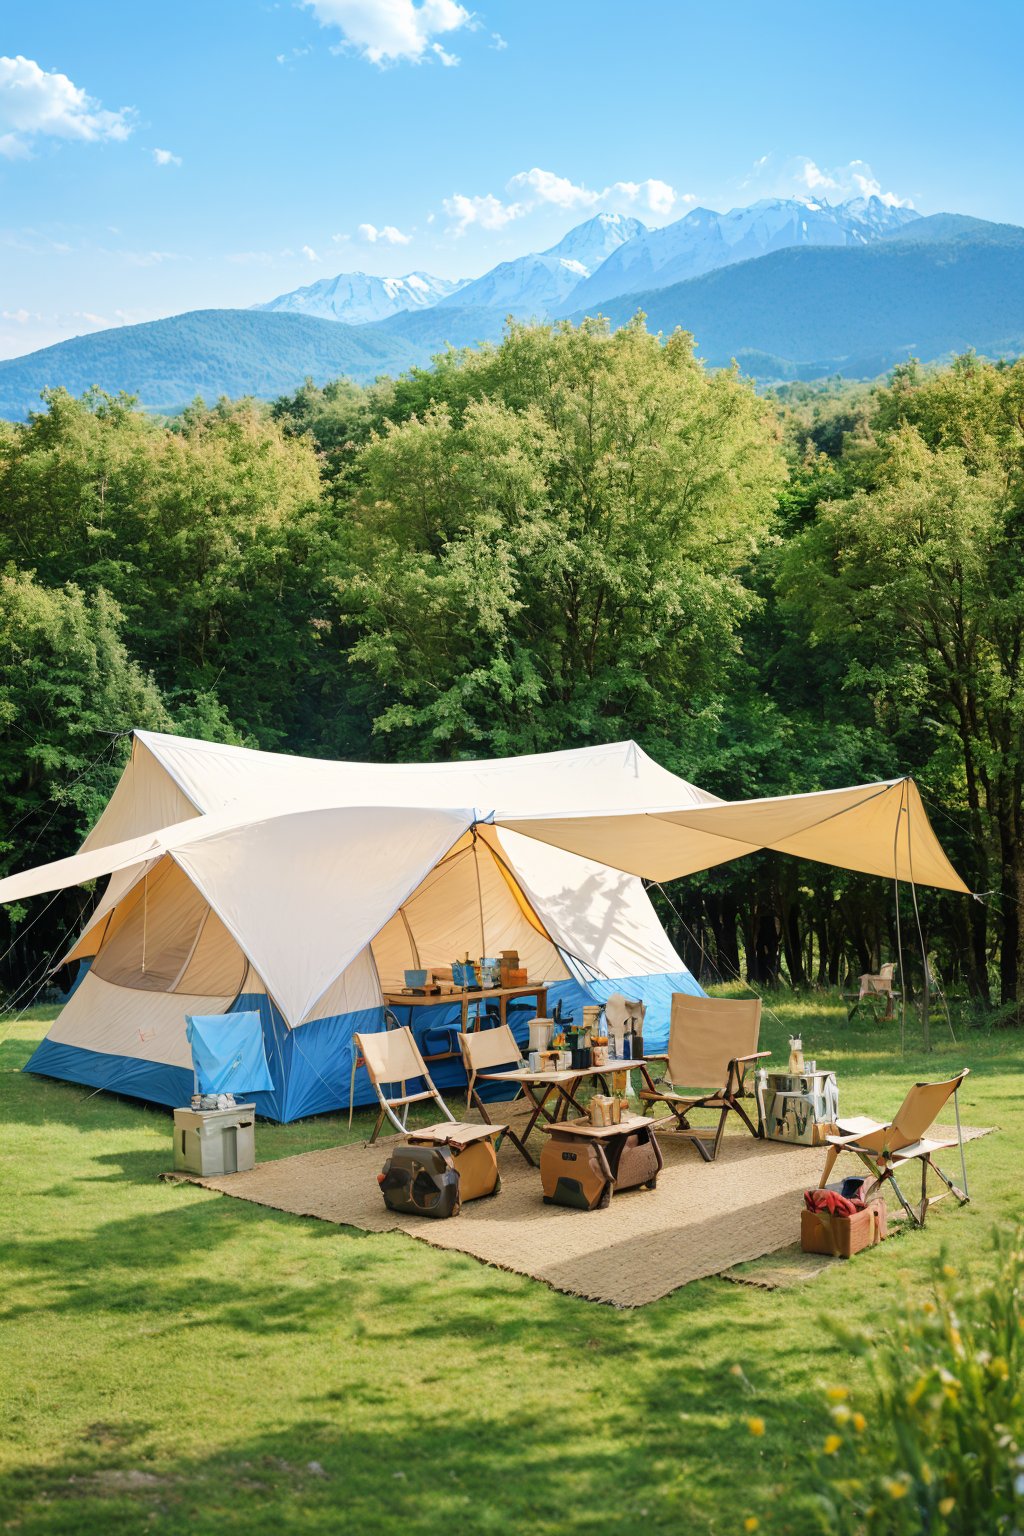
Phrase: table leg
(538, 1106)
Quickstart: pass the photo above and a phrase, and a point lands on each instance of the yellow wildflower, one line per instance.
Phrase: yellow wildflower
(926, 1475)
(1000, 1369)
(897, 1488)
(928, 1308)
(751, 1523)
(859, 1422)
(756, 1426)
(832, 1444)
(949, 1270)
(736, 1370)
(837, 1394)
(947, 1505)
(917, 1391)
(840, 1413)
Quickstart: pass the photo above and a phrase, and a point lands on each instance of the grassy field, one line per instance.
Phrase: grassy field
(175, 1360)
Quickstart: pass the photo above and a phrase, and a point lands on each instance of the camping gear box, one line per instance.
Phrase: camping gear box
(476, 1166)
(576, 1173)
(843, 1236)
(215, 1141)
(800, 1107)
(421, 1181)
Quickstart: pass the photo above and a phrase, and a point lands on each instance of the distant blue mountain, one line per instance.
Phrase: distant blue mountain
(939, 285)
(814, 311)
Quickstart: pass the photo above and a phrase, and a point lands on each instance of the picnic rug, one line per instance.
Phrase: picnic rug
(703, 1218)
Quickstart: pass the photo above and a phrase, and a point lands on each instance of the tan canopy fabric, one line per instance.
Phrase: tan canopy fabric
(875, 829)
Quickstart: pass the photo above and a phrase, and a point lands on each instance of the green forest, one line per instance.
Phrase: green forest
(572, 537)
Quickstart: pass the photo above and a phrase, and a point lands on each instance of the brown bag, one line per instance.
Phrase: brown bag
(575, 1173)
(477, 1167)
(636, 1161)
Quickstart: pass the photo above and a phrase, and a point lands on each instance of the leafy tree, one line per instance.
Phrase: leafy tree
(550, 550)
(919, 579)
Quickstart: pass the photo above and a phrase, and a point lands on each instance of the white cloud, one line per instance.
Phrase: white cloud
(449, 60)
(340, 239)
(488, 211)
(547, 187)
(650, 196)
(35, 102)
(800, 175)
(309, 253)
(387, 31)
(870, 187)
(816, 180)
(165, 157)
(389, 234)
(498, 43)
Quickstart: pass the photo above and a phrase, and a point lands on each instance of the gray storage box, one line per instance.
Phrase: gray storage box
(213, 1141)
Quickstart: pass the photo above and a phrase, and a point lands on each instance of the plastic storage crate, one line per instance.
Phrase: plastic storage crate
(215, 1141)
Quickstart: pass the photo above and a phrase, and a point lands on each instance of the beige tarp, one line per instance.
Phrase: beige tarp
(875, 829)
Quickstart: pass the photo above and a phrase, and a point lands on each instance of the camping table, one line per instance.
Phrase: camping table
(537, 989)
(612, 1137)
(540, 1086)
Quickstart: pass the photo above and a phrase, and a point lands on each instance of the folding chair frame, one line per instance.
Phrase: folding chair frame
(883, 1165)
(725, 1099)
(473, 1099)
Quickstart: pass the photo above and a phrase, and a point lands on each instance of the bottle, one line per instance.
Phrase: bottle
(796, 1055)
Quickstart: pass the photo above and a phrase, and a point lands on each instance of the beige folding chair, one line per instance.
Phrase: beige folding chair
(711, 1043)
(392, 1060)
(484, 1050)
(885, 1148)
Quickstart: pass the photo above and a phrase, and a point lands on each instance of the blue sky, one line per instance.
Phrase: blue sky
(218, 152)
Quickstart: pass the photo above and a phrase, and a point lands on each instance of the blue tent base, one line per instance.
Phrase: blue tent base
(311, 1066)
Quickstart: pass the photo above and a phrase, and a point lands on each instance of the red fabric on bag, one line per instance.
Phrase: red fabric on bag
(832, 1201)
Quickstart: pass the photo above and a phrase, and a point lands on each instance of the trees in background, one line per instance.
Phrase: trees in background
(572, 537)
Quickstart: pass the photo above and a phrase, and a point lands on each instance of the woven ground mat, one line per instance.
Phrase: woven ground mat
(701, 1219)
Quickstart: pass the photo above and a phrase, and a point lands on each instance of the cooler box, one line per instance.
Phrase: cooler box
(215, 1141)
(801, 1107)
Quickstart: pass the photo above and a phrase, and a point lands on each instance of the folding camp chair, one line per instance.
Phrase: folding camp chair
(393, 1060)
(486, 1049)
(711, 1043)
(885, 1148)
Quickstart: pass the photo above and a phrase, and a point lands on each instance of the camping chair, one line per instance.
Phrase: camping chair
(711, 1043)
(392, 1060)
(491, 1049)
(886, 1148)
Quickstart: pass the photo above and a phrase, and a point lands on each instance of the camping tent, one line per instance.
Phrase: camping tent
(305, 888)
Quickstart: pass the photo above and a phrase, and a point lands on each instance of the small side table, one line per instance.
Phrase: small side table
(800, 1107)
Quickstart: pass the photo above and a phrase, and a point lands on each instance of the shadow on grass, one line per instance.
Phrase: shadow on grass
(489, 1470)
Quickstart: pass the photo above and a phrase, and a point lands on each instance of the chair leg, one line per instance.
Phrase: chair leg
(720, 1131)
(954, 1189)
(830, 1162)
(901, 1197)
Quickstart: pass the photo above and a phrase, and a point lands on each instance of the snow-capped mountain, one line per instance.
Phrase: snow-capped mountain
(539, 284)
(358, 297)
(703, 240)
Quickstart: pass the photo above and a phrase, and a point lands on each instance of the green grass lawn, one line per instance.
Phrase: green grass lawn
(173, 1360)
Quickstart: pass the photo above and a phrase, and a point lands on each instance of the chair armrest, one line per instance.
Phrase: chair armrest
(754, 1056)
(660, 1056)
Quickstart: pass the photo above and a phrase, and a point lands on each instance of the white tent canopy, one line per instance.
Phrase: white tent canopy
(309, 887)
